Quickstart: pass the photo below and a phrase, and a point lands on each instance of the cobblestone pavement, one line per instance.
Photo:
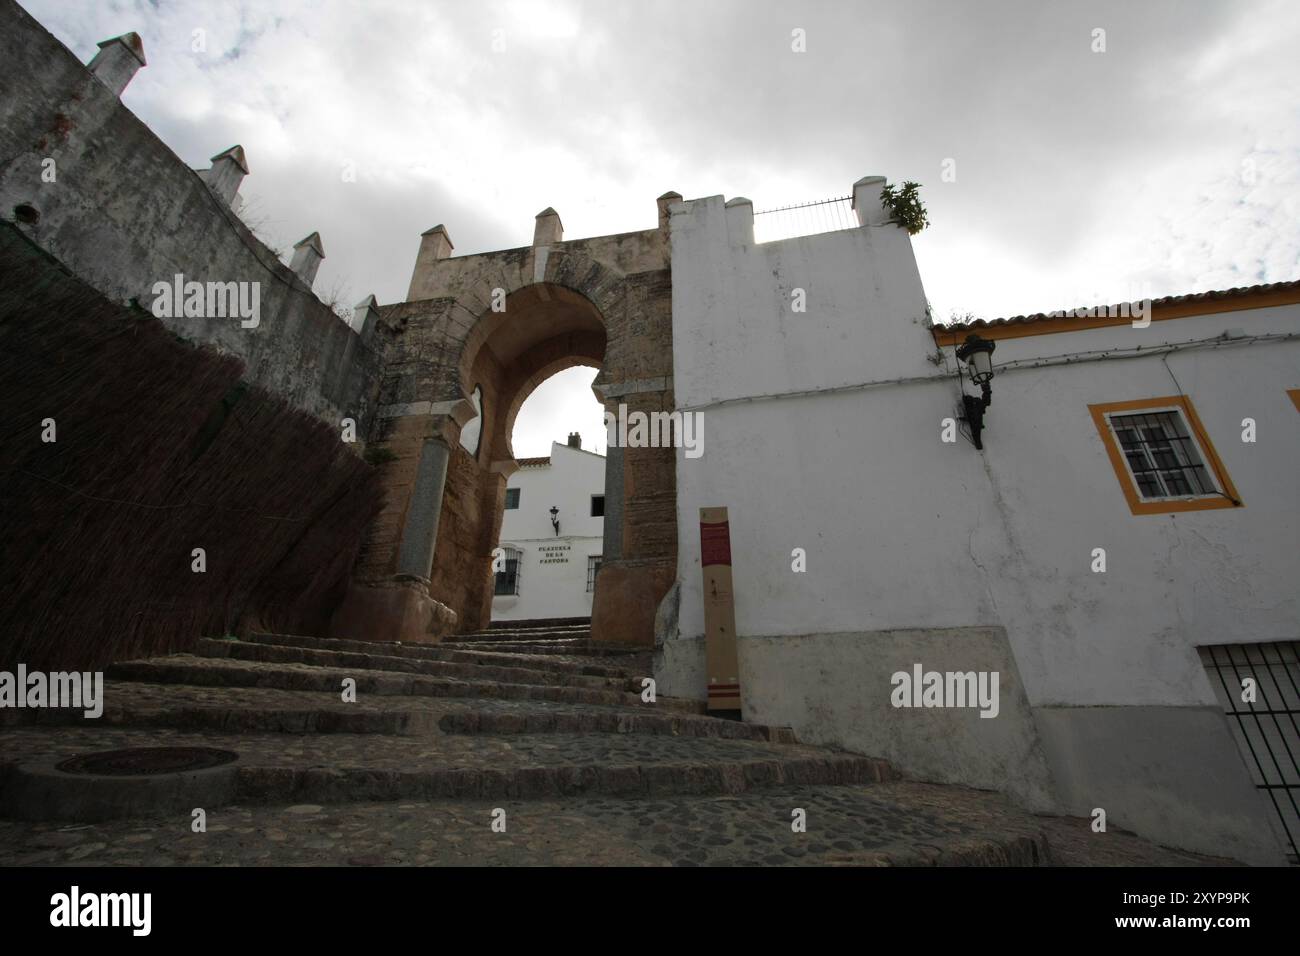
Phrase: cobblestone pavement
(890, 824)
(439, 738)
(470, 751)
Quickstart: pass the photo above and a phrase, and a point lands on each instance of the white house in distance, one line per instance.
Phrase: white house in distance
(1117, 553)
(552, 534)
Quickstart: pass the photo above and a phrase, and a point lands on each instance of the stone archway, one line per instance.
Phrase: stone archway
(425, 570)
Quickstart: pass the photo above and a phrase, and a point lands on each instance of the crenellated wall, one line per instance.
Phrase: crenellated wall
(124, 212)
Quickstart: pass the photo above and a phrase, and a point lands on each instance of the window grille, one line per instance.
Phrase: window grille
(512, 499)
(507, 581)
(1162, 455)
(1265, 727)
(593, 568)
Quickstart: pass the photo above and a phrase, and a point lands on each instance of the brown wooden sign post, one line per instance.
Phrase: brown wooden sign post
(719, 610)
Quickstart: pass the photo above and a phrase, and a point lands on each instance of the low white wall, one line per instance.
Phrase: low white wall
(835, 689)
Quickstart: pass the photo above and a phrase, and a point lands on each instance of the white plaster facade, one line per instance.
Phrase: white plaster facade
(553, 578)
(824, 432)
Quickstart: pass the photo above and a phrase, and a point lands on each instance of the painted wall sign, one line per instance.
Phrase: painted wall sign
(554, 554)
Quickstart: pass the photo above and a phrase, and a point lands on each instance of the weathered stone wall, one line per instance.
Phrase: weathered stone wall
(606, 302)
(123, 452)
(124, 212)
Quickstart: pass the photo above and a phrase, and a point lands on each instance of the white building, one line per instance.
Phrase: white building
(1123, 576)
(552, 534)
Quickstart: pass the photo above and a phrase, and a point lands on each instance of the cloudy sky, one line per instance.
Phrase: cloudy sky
(1167, 163)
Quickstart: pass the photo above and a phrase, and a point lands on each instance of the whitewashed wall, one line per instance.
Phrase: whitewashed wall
(550, 588)
(1173, 581)
(965, 559)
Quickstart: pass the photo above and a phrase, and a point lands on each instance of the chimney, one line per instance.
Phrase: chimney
(228, 171)
(307, 256)
(549, 229)
(117, 61)
(575, 440)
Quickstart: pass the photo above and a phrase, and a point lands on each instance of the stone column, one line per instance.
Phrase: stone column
(492, 492)
(389, 598)
(420, 533)
(640, 562)
(612, 549)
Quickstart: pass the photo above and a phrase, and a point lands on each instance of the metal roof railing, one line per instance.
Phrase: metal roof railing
(805, 219)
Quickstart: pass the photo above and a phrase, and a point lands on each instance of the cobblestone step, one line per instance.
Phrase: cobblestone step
(443, 652)
(440, 739)
(280, 654)
(343, 768)
(503, 635)
(592, 653)
(229, 672)
(231, 710)
(541, 623)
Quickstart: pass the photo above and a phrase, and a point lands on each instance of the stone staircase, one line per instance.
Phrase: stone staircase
(563, 636)
(538, 727)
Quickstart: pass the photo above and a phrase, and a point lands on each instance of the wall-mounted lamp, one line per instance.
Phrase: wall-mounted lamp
(555, 519)
(977, 353)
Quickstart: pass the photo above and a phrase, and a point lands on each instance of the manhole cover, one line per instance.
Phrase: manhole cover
(146, 760)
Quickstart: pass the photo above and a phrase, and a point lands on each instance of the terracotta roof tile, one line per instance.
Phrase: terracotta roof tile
(1163, 301)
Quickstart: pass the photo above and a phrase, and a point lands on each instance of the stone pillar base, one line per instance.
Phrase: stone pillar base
(627, 597)
(396, 610)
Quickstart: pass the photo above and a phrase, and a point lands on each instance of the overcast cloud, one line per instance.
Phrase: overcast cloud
(1170, 163)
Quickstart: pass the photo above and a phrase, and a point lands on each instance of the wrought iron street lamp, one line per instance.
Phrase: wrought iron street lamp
(977, 353)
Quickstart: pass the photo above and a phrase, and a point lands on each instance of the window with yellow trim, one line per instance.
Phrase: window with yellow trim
(1162, 456)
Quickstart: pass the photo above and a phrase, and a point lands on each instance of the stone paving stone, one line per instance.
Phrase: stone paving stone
(890, 824)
